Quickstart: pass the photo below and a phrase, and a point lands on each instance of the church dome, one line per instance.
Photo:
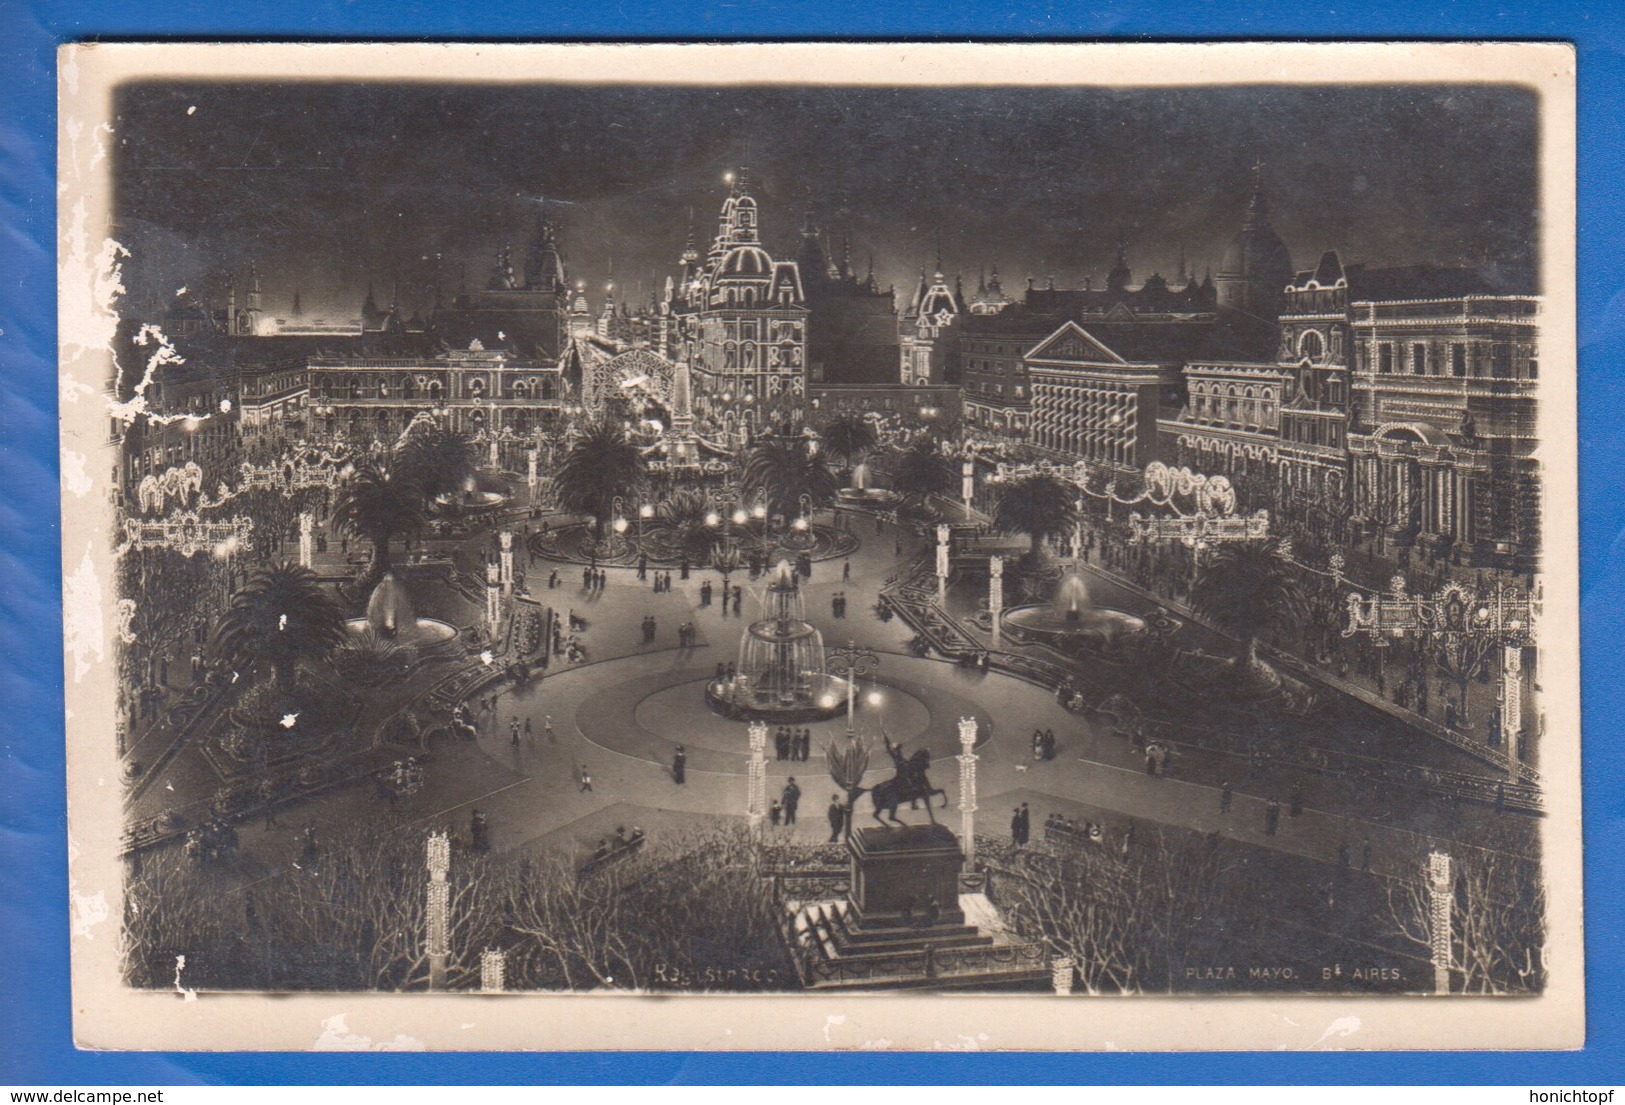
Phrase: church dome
(1257, 253)
(746, 261)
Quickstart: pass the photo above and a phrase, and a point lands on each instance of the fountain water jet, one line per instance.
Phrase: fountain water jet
(1069, 618)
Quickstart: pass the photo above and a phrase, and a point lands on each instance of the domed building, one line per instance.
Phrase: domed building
(1257, 267)
(741, 320)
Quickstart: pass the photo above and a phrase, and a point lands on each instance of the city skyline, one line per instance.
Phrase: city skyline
(1387, 175)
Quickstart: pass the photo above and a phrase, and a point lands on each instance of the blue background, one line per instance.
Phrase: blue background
(35, 1035)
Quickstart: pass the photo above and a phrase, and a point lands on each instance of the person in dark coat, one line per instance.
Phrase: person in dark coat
(1015, 826)
(792, 799)
(679, 765)
(1227, 795)
(837, 817)
(1272, 817)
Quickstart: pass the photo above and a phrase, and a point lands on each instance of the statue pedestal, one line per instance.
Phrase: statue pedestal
(903, 875)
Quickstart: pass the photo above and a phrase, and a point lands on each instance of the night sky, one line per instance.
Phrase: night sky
(329, 185)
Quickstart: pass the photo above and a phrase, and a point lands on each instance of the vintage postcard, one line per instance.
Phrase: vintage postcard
(821, 547)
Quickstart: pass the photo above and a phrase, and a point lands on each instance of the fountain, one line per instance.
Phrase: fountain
(485, 491)
(1070, 619)
(861, 493)
(780, 674)
(390, 617)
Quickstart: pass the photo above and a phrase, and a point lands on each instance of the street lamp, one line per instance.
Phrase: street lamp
(645, 512)
(851, 662)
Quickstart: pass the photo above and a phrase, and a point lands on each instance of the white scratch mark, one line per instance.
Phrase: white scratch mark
(1342, 1026)
(83, 633)
(186, 993)
(74, 476)
(336, 1036)
(830, 1022)
(289, 720)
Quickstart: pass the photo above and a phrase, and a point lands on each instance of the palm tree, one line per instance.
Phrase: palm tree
(602, 465)
(848, 438)
(783, 469)
(1040, 507)
(379, 506)
(921, 471)
(280, 617)
(1248, 588)
(438, 459)
(683, 517)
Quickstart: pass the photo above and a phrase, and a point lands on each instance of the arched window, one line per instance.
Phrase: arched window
(476, 388)
(435, 390)
(1311, 345)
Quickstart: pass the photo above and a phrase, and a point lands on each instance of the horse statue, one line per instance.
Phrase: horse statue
(908, 785)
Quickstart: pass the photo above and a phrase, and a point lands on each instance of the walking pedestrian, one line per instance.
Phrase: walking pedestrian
(513, 732)
(586, 780)
(846, 571)
(679, 766)
(1227, 795)
(547, 727)
(1272, 817)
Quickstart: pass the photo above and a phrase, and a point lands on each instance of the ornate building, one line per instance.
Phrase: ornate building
(1230, 424)
(1089, 403)
(852, 323)
(476, 390)
(524, 313)
(1256, 269)
(1444, 437)
(930, 333)
(741, 320)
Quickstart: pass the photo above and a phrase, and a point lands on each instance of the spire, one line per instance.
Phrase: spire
(981, 281)
(1117, 280)
(1258, 208)
(938, 271)
(846, 256)
(1179, 277)
(297, 311)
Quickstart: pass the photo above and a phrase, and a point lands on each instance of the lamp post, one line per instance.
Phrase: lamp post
(759, 512)
(307, 525)
(967, 789)
(493, 598)
(493, 964)
(852, 663)
(505, 575)
(438, 860)
(645, 512)
(967, 484)
(943, 533)
(995, 594)
(531, 476)
(1441, 891)
(756, 776)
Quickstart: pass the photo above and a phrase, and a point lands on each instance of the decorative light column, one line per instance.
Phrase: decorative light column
(493, 598)
(493, 965)
(943, 533)
(494, 458)
(1441, 892)
(995, 594)
(1060, 975)
(1511, 702)
(852, 663)
(756, 776)
(967, 789)
(505, 575)
(967, 484)
(439, 903)
(531, 477)
(307, 538)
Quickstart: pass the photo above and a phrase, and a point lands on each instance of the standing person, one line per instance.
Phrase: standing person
(781, 742)
(1015, 826)
(837, 817)
(513, 732)
(1026, 823)
(586, 780)
(792, 799)
(846, 571)
(679, 765)
(1272, 817)
(1227, 795)
(775, 812)
(1297, 802)
(547, 727)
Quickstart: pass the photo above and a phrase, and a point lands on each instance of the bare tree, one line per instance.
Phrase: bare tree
(1498, 921)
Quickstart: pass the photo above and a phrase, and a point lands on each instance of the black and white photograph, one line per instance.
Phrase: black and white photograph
(804, 524)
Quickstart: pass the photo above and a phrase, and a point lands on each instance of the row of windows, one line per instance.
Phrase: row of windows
(1455, 359)
(1313, 431)
(355, 387)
